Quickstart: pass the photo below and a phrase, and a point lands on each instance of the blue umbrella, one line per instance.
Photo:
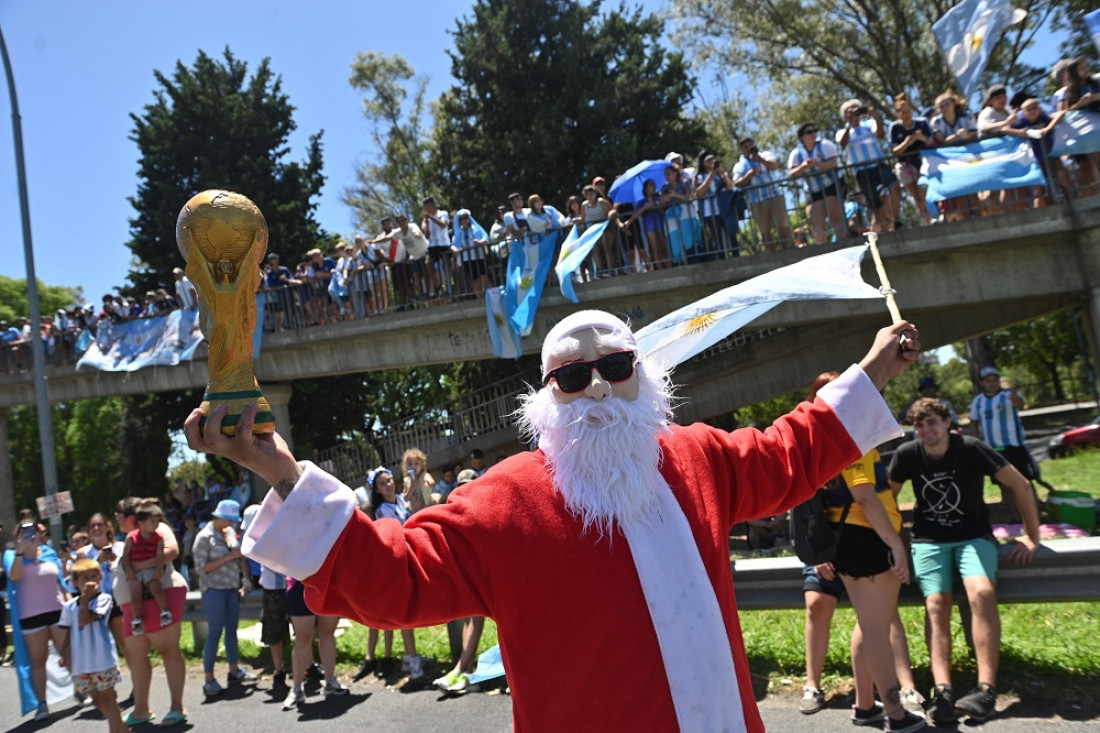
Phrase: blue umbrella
(627, 188)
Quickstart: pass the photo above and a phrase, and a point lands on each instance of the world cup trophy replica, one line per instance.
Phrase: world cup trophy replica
(223, 237)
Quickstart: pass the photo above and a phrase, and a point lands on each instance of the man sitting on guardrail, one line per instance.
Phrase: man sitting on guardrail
(603, 557)
(951, 529)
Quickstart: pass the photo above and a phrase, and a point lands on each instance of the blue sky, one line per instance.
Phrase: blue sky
(81, 68)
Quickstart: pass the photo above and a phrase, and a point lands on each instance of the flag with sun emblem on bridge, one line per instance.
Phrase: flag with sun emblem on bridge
(967, 34)
(529, 263)
(573, 251)
(505, 340)
(685, 332)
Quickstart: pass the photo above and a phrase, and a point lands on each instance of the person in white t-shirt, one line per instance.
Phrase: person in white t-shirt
(87, 647)
(437, 226)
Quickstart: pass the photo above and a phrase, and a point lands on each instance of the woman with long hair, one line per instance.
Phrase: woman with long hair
(954, 125)
(1082, 93)
(909, 135)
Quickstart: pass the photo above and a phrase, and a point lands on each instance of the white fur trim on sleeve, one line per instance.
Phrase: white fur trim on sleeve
(861, 409)
(294, 537)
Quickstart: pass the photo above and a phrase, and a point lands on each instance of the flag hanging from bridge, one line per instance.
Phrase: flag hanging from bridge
(574, 250)
(987, 165)
(685, 332)
(505, 339)
(528, 266)
(967, 34)
(1092, 22)
(1077, 133)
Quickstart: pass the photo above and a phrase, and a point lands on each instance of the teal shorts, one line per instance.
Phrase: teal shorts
(934, 563)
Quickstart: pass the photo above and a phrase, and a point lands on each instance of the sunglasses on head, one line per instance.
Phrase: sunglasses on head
(577, 375)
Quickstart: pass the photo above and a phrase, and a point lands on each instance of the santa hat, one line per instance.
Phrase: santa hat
(578, 322)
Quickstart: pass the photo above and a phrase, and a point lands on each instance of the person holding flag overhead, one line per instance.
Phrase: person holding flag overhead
(591, 546)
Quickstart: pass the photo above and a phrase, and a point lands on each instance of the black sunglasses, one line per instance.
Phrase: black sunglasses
(810, 131)
(577, 375)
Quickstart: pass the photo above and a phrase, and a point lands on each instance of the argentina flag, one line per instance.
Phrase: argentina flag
(1092, 22)
(967, 34)
(573, 251)
(987, 165)
(505, 340)
(1078, 133)
(685, 332)
(528, 265)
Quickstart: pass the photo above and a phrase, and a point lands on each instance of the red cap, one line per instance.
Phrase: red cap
(598, 179)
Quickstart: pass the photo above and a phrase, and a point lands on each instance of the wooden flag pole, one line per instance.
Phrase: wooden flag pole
(884, 281)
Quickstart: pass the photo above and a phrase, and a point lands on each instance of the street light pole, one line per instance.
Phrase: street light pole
(41, 397)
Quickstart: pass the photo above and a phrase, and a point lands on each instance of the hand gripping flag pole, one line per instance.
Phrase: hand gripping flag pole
(884, 281)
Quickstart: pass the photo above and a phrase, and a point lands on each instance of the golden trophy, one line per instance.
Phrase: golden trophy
(223, 237)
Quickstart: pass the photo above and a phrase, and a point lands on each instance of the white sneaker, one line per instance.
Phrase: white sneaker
(334, 688)
(294, 698)
(912, 700)
(416, 667)
(43, 712)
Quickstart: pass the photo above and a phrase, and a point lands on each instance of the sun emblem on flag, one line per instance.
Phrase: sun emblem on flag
(565, 252)
(698, 324)
(499, 319)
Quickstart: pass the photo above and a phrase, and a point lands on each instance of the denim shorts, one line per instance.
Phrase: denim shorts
(934, 563)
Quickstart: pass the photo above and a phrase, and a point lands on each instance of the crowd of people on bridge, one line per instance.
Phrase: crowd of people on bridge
(833, 187)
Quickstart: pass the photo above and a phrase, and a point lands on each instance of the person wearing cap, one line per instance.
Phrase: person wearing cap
(952, 531)
(589, 548)
(861, 139)
(927, 387)
(186, 295)
(995, 418)
(224, 578)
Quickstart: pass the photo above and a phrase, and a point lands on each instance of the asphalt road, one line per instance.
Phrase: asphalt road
(372, 706)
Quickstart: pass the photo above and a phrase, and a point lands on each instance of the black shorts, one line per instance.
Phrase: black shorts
(435, 254)
(273, 619)
(1020, 457)
(875, 182)
(829, 190)
(39, 621)
(861, 553)
(116, 611)
(474, 268)
(296, 602)
(812, 581)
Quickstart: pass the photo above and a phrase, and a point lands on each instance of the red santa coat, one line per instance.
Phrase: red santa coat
(574, 631)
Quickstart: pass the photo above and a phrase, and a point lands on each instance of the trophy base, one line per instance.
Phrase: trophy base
(236, 402)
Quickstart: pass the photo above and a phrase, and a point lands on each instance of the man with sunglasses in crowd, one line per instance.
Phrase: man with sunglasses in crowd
(602, 556)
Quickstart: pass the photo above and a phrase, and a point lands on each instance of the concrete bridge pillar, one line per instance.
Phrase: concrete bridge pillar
(7, 481)
(1092, 332)
(278, 396)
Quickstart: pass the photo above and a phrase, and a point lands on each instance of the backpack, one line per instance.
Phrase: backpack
(815, 538)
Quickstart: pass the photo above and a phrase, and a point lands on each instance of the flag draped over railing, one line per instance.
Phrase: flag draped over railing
(505, 340)
(987, 165)
(967, 34)
(574, 250)
(684, 333)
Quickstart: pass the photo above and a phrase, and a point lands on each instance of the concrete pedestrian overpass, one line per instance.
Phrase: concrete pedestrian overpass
(955, 281)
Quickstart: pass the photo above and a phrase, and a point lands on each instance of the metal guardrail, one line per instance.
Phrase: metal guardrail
(1062, 570)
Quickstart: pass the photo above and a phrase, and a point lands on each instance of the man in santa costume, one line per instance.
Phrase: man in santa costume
(602, 556)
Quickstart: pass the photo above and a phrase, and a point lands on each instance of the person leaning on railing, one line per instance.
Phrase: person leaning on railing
(817, 161)
(909, 135)
(954, 125)
(757, 171)
(1082, 92)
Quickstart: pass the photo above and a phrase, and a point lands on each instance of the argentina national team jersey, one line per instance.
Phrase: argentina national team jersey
(998, 419)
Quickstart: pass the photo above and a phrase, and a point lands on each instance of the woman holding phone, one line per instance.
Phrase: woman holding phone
(37, 592)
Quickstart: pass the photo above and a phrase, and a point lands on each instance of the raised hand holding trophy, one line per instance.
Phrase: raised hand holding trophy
(223, 237)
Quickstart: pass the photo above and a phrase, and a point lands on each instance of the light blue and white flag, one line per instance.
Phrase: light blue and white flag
(490, 665)
(987, 165)
(685, 332)
(573, 251)
(505, 340)
(528, 265)
(1077, 133)
(967, 34)
(1092, 22)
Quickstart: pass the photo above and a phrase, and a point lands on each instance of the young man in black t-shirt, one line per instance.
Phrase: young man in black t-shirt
(951, 530)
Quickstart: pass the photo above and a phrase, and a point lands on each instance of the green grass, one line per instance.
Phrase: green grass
(1080, 471)
(431, 643)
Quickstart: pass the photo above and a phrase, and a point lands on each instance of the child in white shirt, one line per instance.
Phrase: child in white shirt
(87, 648)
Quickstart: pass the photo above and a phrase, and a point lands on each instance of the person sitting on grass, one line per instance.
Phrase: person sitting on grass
(87, 647)
(142, 545)
(951, 530)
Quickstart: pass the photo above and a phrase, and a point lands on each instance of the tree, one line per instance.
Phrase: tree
(400, 173)
(549, 94)
(804, 58)
(214, 126)
(14, 303)
(1044, 348)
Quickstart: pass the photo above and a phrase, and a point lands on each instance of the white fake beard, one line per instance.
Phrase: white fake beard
(603, 455)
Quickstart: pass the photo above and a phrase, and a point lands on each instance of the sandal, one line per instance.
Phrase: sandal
(173, 717)
(132, 720)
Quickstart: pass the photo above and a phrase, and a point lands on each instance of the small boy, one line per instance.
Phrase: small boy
(142, 545)
(87, 647)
